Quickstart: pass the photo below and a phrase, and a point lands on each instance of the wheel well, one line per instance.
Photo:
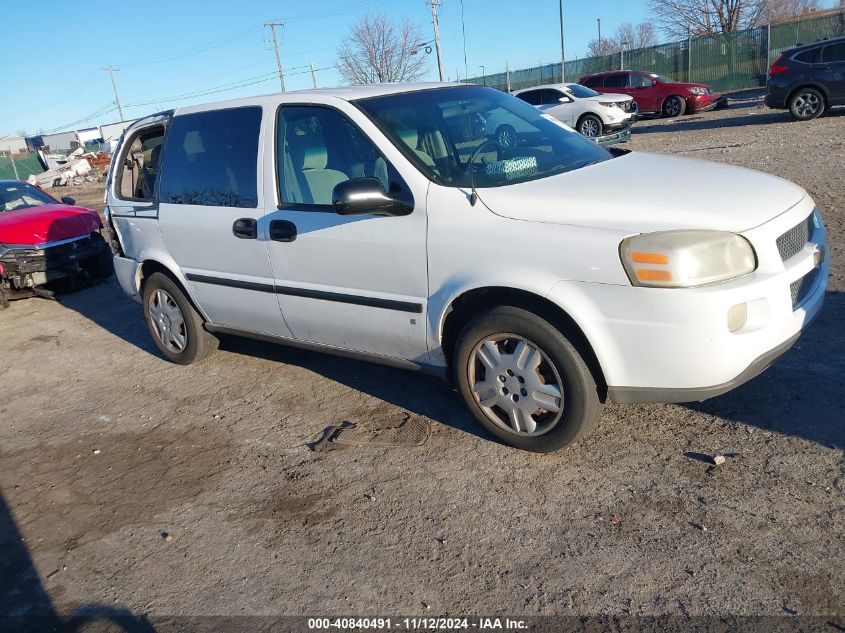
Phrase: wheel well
(818, 89)
(585, 115)
(667, 97)
(475, 302)
(150, 266)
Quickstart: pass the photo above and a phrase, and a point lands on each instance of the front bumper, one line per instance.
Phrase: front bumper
(674, 345)
(705, 103)
(73, 261)
(613, 137)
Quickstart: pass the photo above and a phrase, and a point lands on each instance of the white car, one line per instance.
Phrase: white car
(543, 278)
(592, 114)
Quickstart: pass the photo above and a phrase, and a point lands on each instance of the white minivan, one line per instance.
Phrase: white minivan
(544, 278)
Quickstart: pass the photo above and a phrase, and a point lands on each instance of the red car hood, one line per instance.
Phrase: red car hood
(46, 223)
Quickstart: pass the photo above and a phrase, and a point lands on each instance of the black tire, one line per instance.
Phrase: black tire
(806, 104)
(198, 342)
(506, 136)
(590, 126)
(674, 106)
(581, 401)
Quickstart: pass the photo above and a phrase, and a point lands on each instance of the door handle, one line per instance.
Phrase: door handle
(245, 228)
(282, 231)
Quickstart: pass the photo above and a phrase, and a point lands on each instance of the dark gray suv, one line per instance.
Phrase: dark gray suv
(808, 79)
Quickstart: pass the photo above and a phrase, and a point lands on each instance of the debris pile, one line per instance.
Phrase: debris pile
(76, 169)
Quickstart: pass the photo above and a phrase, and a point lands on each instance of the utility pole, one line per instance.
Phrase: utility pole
(111, 71)
(508, 75)
(273, 26)
(483, 76)
(562, 54)
(313, 74)
(14, 167)
(598, 21)
(434, 4)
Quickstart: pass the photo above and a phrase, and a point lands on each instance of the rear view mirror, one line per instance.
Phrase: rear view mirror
(364, 196)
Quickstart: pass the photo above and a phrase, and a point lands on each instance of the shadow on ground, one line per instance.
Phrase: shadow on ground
(25, 605)
(800, 395)
(705, 122)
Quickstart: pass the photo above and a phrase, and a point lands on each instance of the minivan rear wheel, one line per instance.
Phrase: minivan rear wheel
(524, 381)
(175, 325)
(806, 104)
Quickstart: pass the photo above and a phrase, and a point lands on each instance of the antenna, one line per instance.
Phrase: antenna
(464, 33)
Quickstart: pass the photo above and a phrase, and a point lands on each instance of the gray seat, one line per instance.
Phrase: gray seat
(320, 180)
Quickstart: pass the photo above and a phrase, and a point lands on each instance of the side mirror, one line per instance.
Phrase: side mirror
(565, 99)
(364, 196)
(68, 200)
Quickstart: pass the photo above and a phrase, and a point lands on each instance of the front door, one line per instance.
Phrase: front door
(209, 212)
(352, 282)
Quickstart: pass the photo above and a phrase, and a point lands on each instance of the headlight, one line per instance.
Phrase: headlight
(683, 259)
(608, 104)
(697, 91)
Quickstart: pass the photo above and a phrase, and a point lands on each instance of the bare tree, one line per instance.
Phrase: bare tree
(774, 10)
(641, 35)
(380, 50)
(681, 18)
(605, 46)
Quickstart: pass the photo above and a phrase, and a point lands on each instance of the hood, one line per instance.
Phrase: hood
(610, 96)
(640, 192)
(46, 223)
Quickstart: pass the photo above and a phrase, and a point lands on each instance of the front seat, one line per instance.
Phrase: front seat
(411, 138)
(320, 180)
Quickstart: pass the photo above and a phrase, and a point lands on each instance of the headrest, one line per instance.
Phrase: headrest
(315, 157)
(409, 136)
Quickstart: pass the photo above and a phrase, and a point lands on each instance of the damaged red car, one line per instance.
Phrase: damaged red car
(47, 245)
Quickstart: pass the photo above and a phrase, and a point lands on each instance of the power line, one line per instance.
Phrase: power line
(196, 50)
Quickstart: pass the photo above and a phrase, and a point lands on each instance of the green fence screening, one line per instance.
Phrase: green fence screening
(727, 61)
(25, 164)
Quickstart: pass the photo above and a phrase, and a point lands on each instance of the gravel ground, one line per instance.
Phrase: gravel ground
(130, 485)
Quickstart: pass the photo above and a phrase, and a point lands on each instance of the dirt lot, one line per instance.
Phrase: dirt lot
(131, 485)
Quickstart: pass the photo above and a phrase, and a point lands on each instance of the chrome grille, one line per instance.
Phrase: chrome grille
(791, 242)
(800, 288)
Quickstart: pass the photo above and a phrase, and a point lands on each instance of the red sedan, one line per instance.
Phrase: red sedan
(46, 244)
(655, 93)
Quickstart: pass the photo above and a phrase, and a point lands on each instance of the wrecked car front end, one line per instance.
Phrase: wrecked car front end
(27, 270)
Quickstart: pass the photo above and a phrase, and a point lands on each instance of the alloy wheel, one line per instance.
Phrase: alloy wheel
(807, 104)
(516, 385)
(506, 138)
(672, 107)
(167, 321)
(589, 127)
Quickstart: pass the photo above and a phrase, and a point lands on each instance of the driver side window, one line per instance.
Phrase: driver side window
(641, 81)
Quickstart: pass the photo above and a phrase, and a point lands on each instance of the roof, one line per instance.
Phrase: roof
(565, 84)
(822, 42)
(347, 93)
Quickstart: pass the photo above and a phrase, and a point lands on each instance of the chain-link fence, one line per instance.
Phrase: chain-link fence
(728, 61)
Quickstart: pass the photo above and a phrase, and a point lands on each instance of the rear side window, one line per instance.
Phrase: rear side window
(808, 57)
(210, 159)
(532, 97)
(834, 53)
(616, 81)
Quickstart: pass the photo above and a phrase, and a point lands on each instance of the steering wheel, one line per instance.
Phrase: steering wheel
(477, 151)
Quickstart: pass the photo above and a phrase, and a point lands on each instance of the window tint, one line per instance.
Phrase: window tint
(834, 53)
(808, 57)
(640, 81)
(532, 97)
(210, 158)
(140, 165)
(616, 81)
(551, 97)
(319, 148)
(593, 82)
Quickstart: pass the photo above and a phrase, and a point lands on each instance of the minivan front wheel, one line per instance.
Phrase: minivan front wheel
(524, 381)
(806, 104)
(175, 325)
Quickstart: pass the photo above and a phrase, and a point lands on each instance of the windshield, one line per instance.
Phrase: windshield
(19, 195)
(662, 79)
(582, 92)
(460, 136)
